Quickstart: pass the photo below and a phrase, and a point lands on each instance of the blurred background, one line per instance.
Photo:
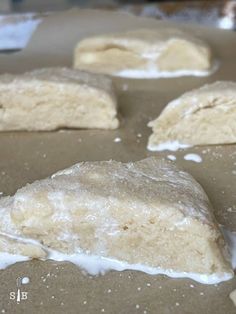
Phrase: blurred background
(19, 18)
(218, 13)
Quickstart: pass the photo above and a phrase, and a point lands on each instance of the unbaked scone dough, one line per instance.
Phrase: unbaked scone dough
(144, 53)
(147, 212)
(203, 116)
(53, 98)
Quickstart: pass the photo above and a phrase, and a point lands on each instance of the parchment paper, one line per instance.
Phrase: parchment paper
(25, 157)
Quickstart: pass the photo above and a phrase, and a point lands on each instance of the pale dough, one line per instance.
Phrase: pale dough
(146, 50)
(233, 296)
(203, 116)
(146, 212)
(53, 98)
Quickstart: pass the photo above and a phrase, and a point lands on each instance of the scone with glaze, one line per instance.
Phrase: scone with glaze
(54, 98)
(148, 215)
(204, 116)
(144, 53)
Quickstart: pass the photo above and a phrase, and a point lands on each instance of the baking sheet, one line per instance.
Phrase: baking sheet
(24, 157)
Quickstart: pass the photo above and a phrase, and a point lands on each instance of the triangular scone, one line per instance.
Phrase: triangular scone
(144, 213)
(203, 116)
(144, 52)
(53, 98)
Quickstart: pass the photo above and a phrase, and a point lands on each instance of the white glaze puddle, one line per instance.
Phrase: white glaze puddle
(230, 238)
(155, 73)
(25, 280)
(193, 157)
(7, 259)
(96, 265)
(171, 145)
(152, 71)
(171, 157)
(117, 140)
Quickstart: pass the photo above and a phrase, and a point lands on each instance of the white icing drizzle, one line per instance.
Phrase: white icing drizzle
(193, 157)
(170, 145)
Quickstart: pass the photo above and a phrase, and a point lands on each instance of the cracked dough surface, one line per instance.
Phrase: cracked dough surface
(203, 116)
(52, 98)
(146, 212)
(163, 49)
